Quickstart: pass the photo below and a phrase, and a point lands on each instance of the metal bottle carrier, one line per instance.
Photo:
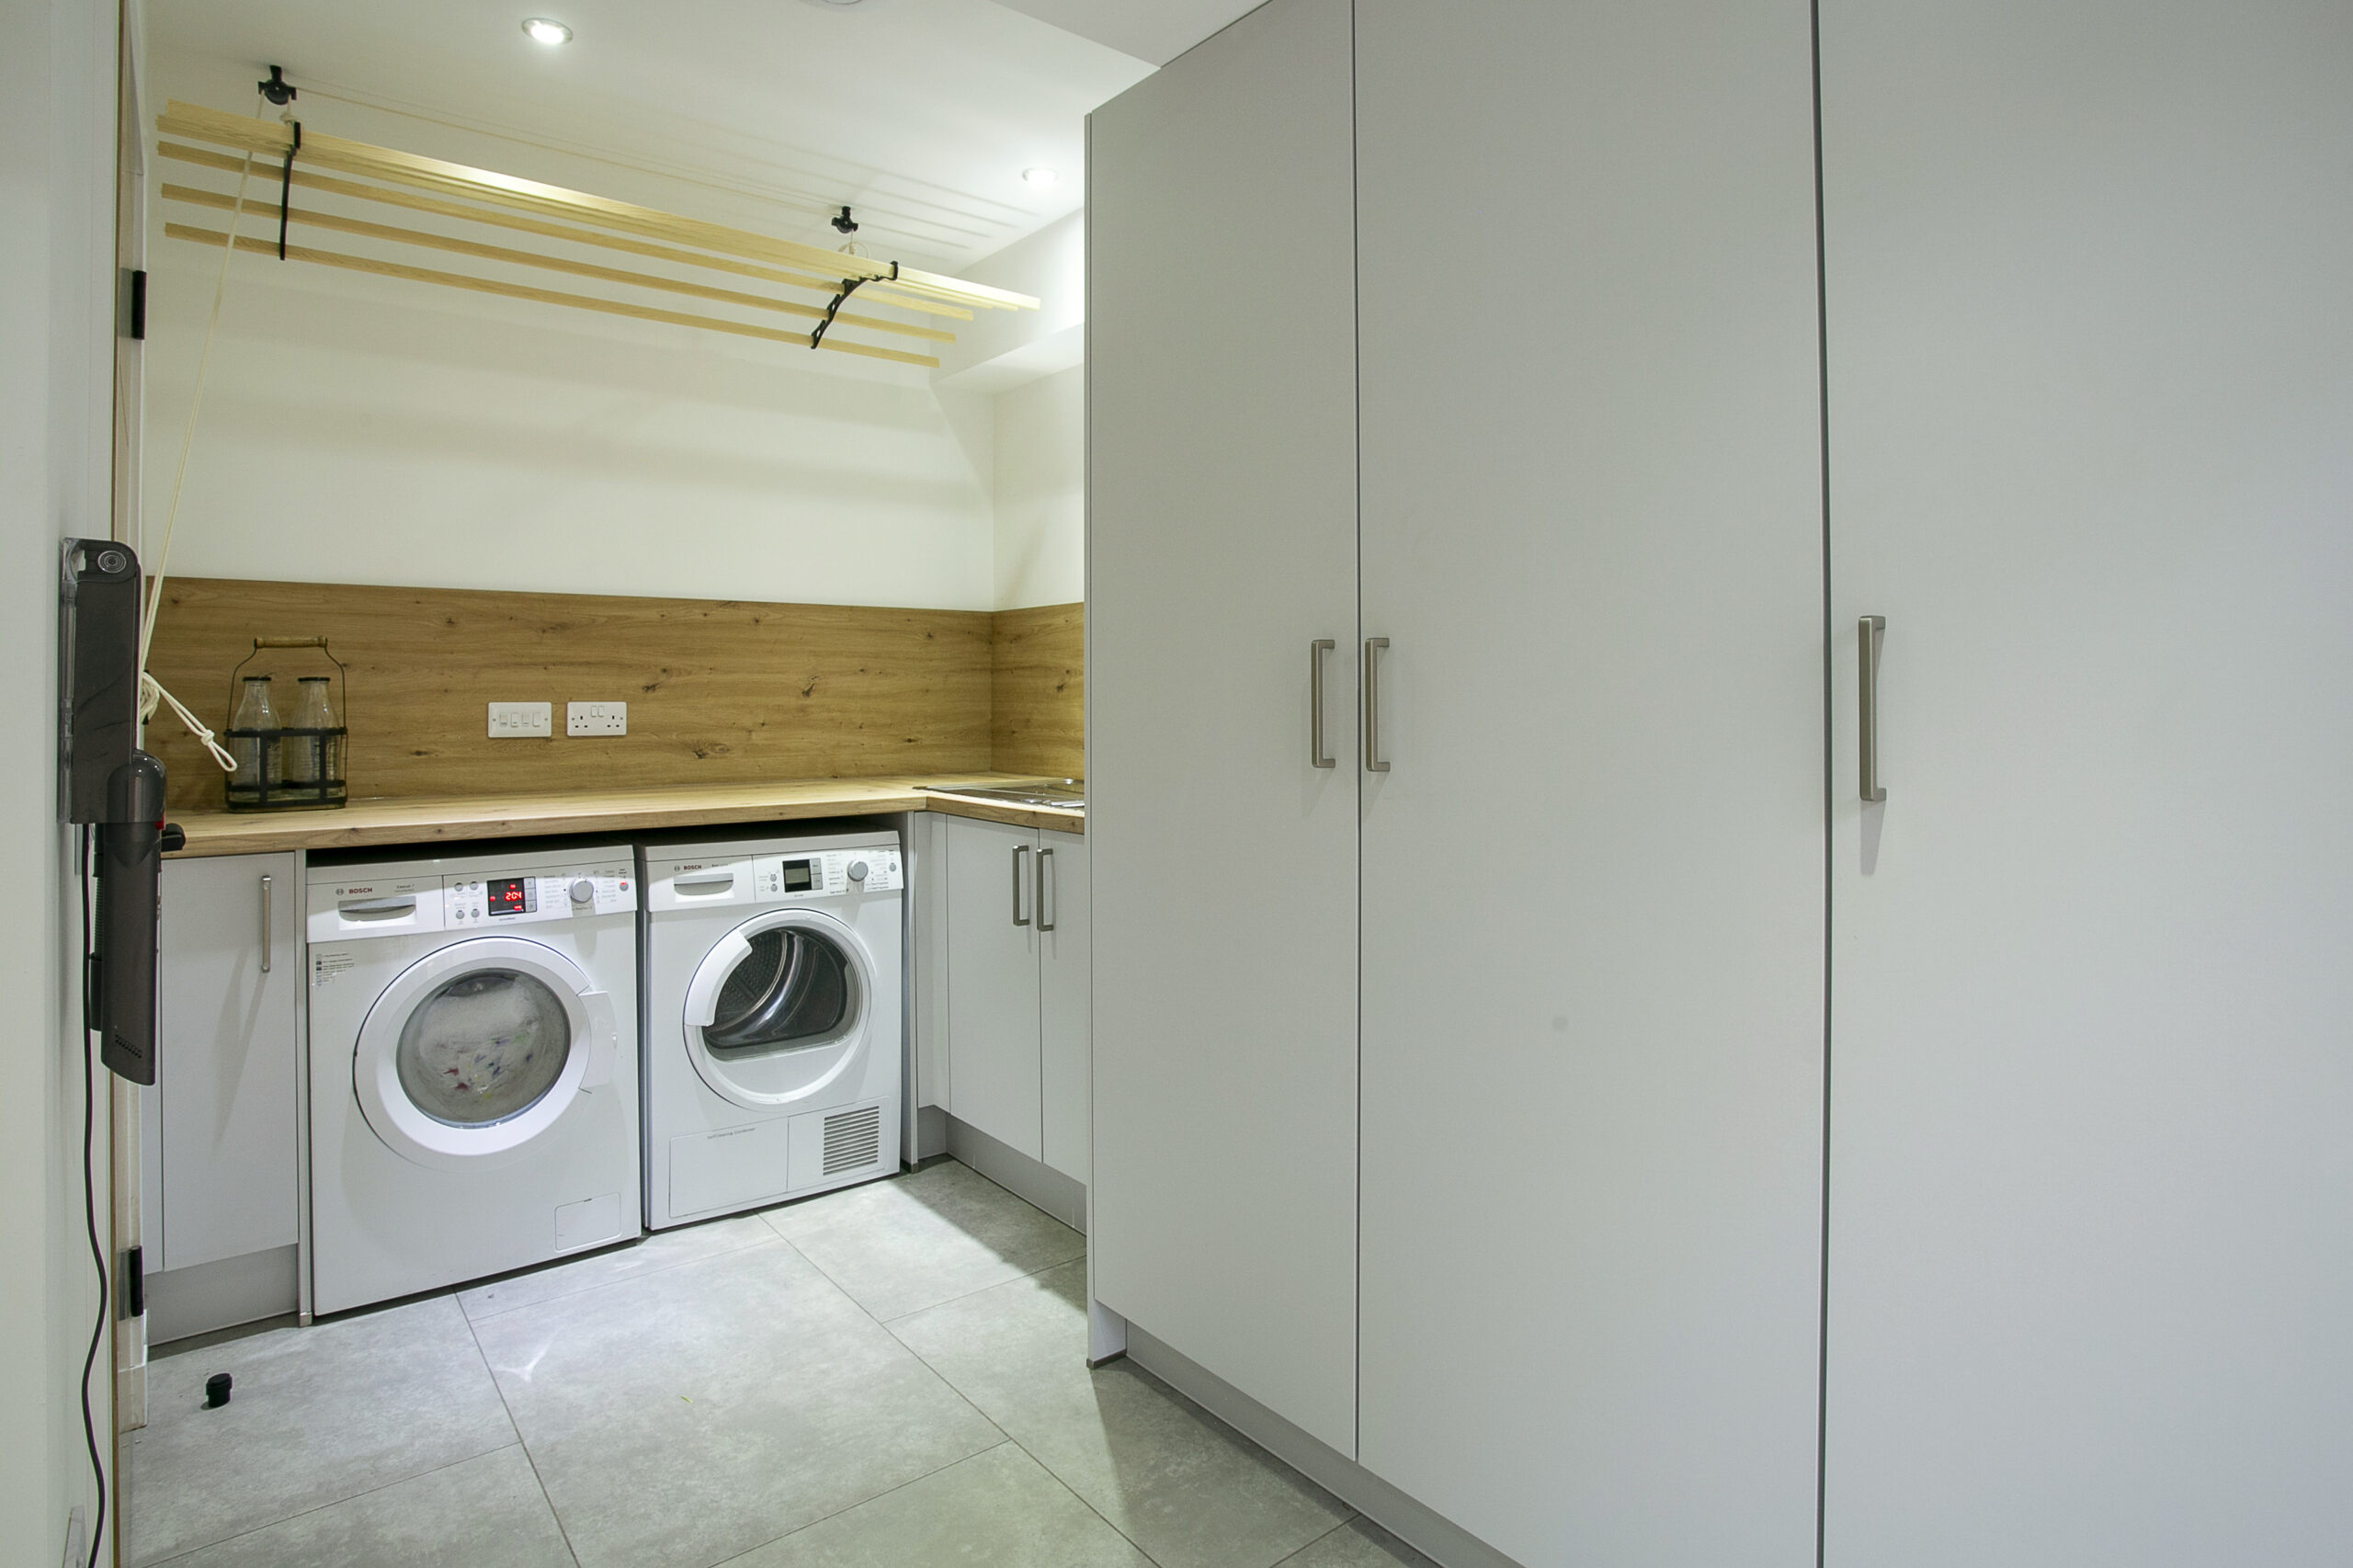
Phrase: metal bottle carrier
(303, 767)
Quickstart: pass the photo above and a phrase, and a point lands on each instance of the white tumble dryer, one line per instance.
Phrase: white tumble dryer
(474, 1066)
(773, 1019)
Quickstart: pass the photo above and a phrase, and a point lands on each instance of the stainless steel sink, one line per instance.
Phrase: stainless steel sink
(1068, 794)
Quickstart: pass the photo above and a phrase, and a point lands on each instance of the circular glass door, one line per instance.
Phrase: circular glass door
(483, 1048)
(778, 1009)
(478, 1048)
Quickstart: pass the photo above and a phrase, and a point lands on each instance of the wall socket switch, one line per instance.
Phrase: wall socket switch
(511, 720)
(596, 718)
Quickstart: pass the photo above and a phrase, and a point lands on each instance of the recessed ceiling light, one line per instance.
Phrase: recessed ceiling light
(1040, 177)
(543, 30)
(834, 4)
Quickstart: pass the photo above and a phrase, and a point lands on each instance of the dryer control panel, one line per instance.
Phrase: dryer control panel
(689, 882)
(825, 873)
(569, 894)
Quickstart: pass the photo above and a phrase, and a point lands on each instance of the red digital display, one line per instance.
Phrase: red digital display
(512, 896)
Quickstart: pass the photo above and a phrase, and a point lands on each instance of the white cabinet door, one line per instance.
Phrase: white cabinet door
(1593, 1022)
(1063, 1000)
(2089, 336)
(927, 894)
(992, 981)
(1222, 543)
(226, 1074)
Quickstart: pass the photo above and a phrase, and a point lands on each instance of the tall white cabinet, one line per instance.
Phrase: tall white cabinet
(1581, 1108)
(1221, 478)
(2091, 385)
(1592, 1036)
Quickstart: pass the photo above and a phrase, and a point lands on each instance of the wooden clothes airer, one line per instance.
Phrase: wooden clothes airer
(496, 201)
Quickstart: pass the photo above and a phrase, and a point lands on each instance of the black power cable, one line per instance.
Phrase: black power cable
(90, 1204)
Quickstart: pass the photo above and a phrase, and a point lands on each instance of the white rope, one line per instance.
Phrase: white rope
(151, 690)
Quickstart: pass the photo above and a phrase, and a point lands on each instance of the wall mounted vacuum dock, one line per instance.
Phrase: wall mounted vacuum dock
(106, 781)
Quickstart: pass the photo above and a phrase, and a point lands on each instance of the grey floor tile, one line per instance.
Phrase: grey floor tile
(913, 1241)
(1360, 1543)
(664, 1249)
(319, 1415)
(999, 1509)
(1173, 1479)
(486, 1511)
(682, 1418)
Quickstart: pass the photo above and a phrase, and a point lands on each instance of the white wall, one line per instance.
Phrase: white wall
(1030, 365)
(56, 99)
(1041, 492)
(369, 431)
(1007, 348)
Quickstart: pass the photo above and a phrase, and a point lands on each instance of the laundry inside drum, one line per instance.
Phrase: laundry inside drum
(484, 1047)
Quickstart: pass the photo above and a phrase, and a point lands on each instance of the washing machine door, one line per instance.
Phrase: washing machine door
(778, 1009)
(480, 1049)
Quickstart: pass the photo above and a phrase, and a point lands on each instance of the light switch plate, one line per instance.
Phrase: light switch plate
(511, 720)
(596, 718)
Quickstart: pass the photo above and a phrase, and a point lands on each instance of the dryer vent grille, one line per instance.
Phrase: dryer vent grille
(853, 1139)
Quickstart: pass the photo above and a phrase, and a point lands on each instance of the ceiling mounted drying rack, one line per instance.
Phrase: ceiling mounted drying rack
(494, 201)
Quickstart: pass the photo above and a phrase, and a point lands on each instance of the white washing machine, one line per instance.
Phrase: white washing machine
(773, 1019)
(474, 1066)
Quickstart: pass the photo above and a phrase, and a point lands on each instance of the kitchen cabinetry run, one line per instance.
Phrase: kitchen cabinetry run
(1551, 398)
(222, 1179)
(1015, 947)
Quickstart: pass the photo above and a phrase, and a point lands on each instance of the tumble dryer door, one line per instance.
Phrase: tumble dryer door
(779, 1010)
(478, 1049)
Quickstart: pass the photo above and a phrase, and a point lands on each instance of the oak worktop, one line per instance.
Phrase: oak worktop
(461, 819)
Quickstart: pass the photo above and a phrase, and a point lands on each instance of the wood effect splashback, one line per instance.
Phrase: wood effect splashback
(1037, 706)
(717, 691)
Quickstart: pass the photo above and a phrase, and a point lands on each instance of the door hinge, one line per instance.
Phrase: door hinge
(134, 1291)
(133, 317)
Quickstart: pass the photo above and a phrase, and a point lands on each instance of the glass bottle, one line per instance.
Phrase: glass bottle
(250, 783)
(306, 740)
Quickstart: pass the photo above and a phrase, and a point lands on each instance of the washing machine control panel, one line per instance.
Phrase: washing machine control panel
(527, 898)
(821, 873)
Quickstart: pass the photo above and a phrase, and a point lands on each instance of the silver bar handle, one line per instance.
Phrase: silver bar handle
(1019, 851)
(376, 908)
(1373, 761)
(1316, 756)
(1869, 631)
(265, 924)
(1045, 922)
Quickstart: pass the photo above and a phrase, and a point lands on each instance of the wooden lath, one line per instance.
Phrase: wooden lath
(409, 201)
(503, 202)
(304, 215)
(259, 246)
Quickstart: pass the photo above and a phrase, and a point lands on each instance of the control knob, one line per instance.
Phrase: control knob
(584, 892)
(858, 870)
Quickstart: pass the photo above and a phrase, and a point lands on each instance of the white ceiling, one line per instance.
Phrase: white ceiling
(1156, 31)
(920, 114)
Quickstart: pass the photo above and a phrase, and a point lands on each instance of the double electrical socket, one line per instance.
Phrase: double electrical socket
(596, 718)
(513, 720)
